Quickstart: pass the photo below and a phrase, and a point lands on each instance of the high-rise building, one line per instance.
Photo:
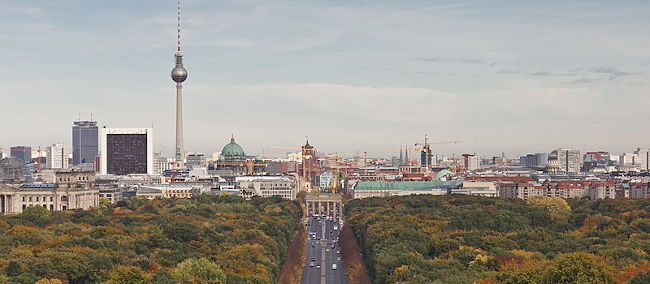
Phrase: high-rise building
(127, 151)
(56, 157)
(642, 158)
(23, 153)
(628, 160)
(567, 160)
(196, 160)
(161, 163)
(537, 160)
(425, 153)
(84, 142)
(179, 74)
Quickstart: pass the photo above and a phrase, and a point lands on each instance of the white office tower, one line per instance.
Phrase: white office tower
(56, 157)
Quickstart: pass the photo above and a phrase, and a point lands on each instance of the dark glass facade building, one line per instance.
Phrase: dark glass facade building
(126, 154)
(126, 151)
(85, 136)
(23, 153)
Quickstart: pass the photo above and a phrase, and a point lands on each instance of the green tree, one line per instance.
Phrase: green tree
(124, 274)
(557, 207)
(35, 214)
(641, 278)
(577, 267)
(198, 271)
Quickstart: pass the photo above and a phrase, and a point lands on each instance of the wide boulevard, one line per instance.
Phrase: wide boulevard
(323, 263)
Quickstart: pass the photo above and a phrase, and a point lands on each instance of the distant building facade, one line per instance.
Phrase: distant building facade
(72, 190)
(565, 161)
(167, 191)
(23, 153)
(536, 160)
(196, 160)
(56, 157)
(477, 188)
(85, 139)
(267, 186)
(127, 151)
(366, 189)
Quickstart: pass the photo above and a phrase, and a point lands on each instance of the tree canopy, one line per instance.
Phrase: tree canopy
(208, 239)
(467, 239)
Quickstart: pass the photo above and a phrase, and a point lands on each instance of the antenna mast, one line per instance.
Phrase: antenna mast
(178, 30)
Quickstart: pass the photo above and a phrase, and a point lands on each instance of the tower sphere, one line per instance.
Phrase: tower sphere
(179, 74)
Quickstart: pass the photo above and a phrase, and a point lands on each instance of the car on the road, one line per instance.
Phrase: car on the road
(338, 258)
(334, 266)
(313, 259)
(327, 250)
(317, 266)
(333, 246)
(338, 252)
(311, 264)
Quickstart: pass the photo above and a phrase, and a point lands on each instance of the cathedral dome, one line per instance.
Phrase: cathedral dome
(232, 149)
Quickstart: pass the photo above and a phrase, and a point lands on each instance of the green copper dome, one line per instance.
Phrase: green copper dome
(232, 149)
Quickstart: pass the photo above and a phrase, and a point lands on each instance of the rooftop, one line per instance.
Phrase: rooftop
(404, 185)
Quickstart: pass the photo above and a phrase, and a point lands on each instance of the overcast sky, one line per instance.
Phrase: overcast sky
(513, 76)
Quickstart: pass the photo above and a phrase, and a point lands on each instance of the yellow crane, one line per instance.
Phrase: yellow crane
(426, 147)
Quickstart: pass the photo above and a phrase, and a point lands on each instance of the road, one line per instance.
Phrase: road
(317, 249)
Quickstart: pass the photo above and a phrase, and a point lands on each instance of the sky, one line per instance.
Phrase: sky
(498, 76)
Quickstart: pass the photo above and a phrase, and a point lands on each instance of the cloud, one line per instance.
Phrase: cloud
(613, 72)
(448, 59)
(582, 81)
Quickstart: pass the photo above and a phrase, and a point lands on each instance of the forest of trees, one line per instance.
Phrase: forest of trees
(465, 239)
(208, 239)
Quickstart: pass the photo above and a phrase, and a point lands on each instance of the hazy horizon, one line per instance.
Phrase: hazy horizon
(364, 76)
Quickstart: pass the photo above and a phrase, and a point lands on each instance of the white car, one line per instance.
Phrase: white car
(327, 250)
(334, 266)
(311, 264)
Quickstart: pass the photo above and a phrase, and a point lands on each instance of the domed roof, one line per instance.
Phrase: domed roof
(232, 149)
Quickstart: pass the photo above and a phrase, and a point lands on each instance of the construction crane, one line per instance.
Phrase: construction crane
(426, 148)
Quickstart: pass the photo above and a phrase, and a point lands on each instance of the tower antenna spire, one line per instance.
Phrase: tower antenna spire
(179, 74)
(178, 30)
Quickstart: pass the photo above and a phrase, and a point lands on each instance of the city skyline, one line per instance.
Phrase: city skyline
(469, 72)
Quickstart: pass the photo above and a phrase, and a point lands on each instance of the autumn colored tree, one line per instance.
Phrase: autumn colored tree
(198, 271)
(578, 267)
(558, 208)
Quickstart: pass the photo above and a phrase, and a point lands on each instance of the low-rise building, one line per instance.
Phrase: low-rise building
(267, 186)
(167, 191)
(477, 188)
(112, 193)
(15, 198)
(365, 189)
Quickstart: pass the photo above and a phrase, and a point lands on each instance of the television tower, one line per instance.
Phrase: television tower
(179, 74)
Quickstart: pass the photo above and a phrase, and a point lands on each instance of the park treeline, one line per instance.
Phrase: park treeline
(207, 239)
(467, 239)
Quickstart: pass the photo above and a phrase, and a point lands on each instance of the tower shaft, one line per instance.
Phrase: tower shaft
(179, 122)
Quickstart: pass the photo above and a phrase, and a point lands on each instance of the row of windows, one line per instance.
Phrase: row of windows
(43, 198)
(81, 178)
(179, 191)
(179, 195)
